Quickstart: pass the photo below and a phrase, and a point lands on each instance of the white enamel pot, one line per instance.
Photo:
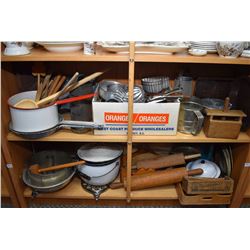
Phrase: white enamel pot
(99, 175)
(32, 120)
(41, 119)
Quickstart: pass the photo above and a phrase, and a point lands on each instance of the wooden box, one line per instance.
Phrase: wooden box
(221, 124)
(202, 199)
(194, 185)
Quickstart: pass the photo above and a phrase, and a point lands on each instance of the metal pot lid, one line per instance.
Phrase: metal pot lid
(210, 169)
(99, 153)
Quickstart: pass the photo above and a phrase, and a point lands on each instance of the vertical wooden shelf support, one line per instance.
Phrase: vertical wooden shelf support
(243, 182)
(130, 115)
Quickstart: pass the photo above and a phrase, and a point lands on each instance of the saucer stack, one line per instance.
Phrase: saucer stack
(209, 46)
(246, 53)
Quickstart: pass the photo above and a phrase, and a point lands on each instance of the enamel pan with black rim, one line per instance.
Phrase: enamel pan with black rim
(40, 120)
(99, 154)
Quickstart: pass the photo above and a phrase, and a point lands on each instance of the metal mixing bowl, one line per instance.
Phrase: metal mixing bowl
(52, 180)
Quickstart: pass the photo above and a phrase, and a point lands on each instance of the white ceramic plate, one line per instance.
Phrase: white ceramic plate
(227, 158)
(147, 48)
(161, 48)
(245, 54)
(231, 160)
(62, 47)
(116, 48)
(197, 52)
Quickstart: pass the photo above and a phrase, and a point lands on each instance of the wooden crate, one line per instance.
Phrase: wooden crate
(220, 124)
(202, 199)
(194, 185)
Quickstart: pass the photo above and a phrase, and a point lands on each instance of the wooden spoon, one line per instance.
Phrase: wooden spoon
(63, 91)
(26, 104)
(36, 169)
(53, 86)
(39, 86)
(46, 83)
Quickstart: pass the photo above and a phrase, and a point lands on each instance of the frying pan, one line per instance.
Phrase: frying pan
(62, 124)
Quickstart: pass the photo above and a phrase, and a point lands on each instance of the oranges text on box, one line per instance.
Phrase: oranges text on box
(141, 118)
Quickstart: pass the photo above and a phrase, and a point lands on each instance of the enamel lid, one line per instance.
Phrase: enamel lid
(210, 169)
(99, 152)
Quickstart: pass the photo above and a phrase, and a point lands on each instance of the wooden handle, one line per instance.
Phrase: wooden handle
(45, 85)
(116, 185)
(226, 104)
(70, 88)
(60, 83)
(71, 81)
(39, 90)
(188, 157)
(195, 172)
(53, 86)
(66, 165)
(85, 80)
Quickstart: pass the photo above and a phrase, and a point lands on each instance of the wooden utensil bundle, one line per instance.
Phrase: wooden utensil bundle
(49, 89)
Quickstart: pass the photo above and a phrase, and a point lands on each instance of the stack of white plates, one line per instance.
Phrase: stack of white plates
(245, 53)
(209, 46)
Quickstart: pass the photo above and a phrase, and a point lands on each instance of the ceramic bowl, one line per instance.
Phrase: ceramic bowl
(15, 49)
(62, 47)
(230, 49)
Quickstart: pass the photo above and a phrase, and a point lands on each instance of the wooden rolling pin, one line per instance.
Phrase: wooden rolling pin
(158, 178)
(166, 161)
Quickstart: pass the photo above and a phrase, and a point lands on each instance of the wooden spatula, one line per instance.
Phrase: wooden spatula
(36, 169)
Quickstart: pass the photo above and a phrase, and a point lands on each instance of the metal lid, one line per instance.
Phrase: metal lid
(99, 153)
(210, 169)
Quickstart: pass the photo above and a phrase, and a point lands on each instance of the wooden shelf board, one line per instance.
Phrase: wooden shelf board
(68, 136)
(247, 193)
(160, 193)
(185, 58)
(40, 54)
(75, 191)
(180, 137)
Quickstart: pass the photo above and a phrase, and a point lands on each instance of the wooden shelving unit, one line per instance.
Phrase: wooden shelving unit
(4, 189)
(40, 54)
(247, 193)
(68, 136)
(127, 65)
(186, 58)
(75, 191)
